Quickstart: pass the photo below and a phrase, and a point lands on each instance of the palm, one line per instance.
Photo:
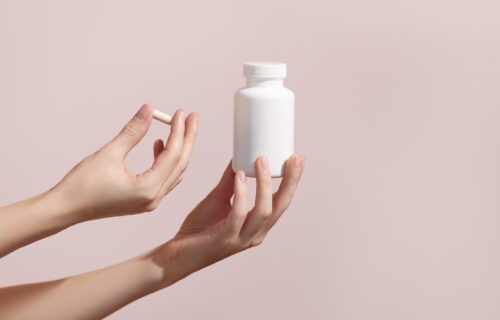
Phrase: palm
(206, 214)
(218, 227)
(195, 246)
(196, 240)
(211, 210)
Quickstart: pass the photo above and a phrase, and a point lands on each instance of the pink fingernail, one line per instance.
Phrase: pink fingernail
(141, 114)
(242, 176)
(264, 164)
(302, 163)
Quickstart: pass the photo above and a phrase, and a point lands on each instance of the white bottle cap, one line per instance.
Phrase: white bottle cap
(264, 69)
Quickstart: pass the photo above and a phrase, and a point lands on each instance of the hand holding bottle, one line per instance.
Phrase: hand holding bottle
(216, 229)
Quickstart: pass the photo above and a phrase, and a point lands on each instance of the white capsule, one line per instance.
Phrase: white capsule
(161, 116)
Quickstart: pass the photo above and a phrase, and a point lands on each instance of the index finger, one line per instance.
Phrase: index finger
(283, 197)
(225, 188)
(190, 132)
(166, 161)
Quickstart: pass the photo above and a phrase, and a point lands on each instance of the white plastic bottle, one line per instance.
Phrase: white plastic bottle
(264, 116)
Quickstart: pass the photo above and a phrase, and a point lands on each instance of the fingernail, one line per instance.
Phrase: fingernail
(302, 163)
(264, 164)
(242, 177)
(181, 115)
(297, 162)
(141, 114)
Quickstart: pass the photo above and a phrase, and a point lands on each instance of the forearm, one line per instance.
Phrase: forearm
(92, 295)
(33, 219)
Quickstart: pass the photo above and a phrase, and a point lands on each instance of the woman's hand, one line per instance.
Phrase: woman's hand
(215, 229)
(102, 185)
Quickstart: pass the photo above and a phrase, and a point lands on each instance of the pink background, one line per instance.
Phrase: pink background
(398, 107)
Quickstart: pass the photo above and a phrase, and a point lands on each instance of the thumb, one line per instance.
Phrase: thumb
(225, 188)
(134, 130)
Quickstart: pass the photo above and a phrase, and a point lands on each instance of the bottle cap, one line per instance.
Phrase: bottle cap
(264, 69)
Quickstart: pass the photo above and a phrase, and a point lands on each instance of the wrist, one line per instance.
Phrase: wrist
(164, 267)
(145, 274)
(31, 220)
(59, 213)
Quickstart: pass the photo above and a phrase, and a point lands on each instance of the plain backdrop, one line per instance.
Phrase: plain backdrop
(398, 105)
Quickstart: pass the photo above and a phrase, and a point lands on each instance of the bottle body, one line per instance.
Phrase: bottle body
(264, 116)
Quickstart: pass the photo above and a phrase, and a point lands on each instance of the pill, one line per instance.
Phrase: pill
(162, 116)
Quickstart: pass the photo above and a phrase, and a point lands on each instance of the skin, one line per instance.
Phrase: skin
(101, 185)
(215, 229)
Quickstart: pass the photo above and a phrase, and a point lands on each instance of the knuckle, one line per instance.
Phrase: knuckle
(151, 206)
(178, 155)
(148, 194)
(238, 244)
(227, 241)
(228, 231)
(103, 149)
(243, 193)
(175, 152)
(256, 242)
(231, 235)
(185, 164)
(263, 214)
(266, 181)
(239, 210)
(110, 150)
(225, 235)
(268, 212)
(294, 181)
(176, 145)
(131, 129)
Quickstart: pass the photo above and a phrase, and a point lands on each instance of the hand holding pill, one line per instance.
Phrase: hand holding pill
(102, 185)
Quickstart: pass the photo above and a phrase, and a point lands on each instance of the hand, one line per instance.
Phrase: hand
(102, 185)
(215, 229)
